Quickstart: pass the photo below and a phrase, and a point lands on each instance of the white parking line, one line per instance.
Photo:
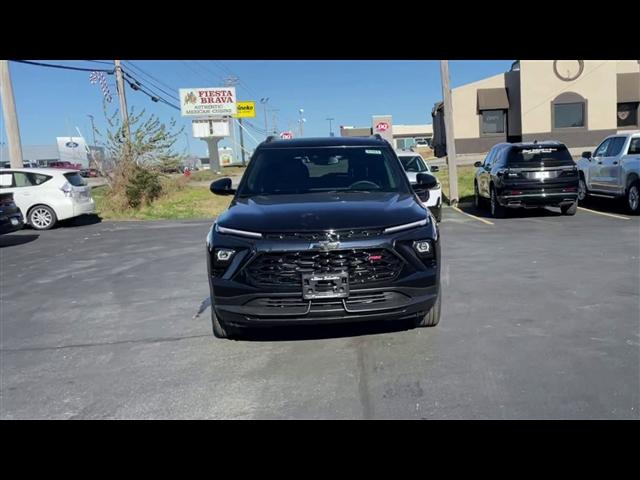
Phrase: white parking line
(473, 216)
(605, 214)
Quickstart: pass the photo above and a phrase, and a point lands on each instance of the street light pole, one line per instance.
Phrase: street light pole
(330, 129)
(264, 101)
(93, 129)
(301, 111)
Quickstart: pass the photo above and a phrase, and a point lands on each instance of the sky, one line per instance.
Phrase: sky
(53, 102)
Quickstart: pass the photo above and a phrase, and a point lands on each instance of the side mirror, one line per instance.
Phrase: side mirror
(477, 164)
(222, 186)
(586, 155)
(435, 169)
(426, 180)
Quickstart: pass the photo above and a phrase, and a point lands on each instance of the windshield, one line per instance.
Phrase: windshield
(534, 156)
(414, 164)
(308, 170)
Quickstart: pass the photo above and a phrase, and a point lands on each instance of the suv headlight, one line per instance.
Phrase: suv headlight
(424, 248)
(222, 256)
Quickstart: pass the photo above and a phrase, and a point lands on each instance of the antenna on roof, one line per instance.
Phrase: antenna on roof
(535, 142)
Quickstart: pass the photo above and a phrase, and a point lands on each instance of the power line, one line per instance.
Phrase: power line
(171, 95)
(132, 65)
(65, 67)
(155, 97)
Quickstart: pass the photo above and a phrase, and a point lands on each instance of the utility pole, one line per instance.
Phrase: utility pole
(124, 113)
(448, 125)
(10, 116)
(244, 163)
(330, 129)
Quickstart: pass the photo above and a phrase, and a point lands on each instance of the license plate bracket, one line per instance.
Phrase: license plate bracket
(325, 285)
(542, 175)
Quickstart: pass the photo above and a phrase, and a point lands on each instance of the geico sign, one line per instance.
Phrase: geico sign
(382, 126)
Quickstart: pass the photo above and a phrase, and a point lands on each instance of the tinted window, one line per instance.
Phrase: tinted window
(634, 146)
(568, 115)
(533, 156)
(413, 164)
(305, 170)
(615, 146)
(627, 114)
(75, 179)
(489, 158)
(492, 121)
(602, 149)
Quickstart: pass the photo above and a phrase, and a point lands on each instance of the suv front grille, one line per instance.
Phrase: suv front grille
(285, 268)
(336, 235)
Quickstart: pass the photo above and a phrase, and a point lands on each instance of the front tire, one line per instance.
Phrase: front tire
(582, 190)
(633, 198)
(42, 217)
(432, 318)
(569, 209)
(220, 328)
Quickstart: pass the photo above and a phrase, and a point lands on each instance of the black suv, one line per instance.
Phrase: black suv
(529, 175)
(323, 230)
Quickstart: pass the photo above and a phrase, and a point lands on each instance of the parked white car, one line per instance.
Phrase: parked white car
(46, 195)
(613, 170)
(413, 164)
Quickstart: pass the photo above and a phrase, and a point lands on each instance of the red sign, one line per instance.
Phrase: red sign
(382, 126)
(286, 135)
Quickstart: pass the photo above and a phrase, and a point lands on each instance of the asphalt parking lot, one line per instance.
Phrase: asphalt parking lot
(540, 320)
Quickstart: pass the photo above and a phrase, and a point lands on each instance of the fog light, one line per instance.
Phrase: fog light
(423, 247)
(223, 255)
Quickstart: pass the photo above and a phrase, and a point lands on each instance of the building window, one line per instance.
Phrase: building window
(569, 110)
(493, 122)
(627, 114)
(568, 115)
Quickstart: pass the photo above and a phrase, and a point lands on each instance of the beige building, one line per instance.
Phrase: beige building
(577, 102)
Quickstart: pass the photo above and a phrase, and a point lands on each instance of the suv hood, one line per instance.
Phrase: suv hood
(322, 211)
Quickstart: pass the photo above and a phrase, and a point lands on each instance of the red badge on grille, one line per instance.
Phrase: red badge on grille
(375, 258)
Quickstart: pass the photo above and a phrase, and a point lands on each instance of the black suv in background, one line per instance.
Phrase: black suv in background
(323, 230)
(527, 175)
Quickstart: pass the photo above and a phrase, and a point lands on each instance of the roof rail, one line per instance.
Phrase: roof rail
(378, 136)
(270, 138)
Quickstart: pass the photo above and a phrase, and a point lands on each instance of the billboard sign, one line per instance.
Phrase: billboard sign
(74, 150)
(246, 110)
(203, 102)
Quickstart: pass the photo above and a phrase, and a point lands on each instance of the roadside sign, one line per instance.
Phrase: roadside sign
(246, 110)
(286, 135)
(202, 102)
(382, 126)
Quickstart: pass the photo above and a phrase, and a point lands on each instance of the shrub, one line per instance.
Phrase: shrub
(143, 186)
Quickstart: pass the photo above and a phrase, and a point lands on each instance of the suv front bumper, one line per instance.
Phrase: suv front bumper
(412, 292)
